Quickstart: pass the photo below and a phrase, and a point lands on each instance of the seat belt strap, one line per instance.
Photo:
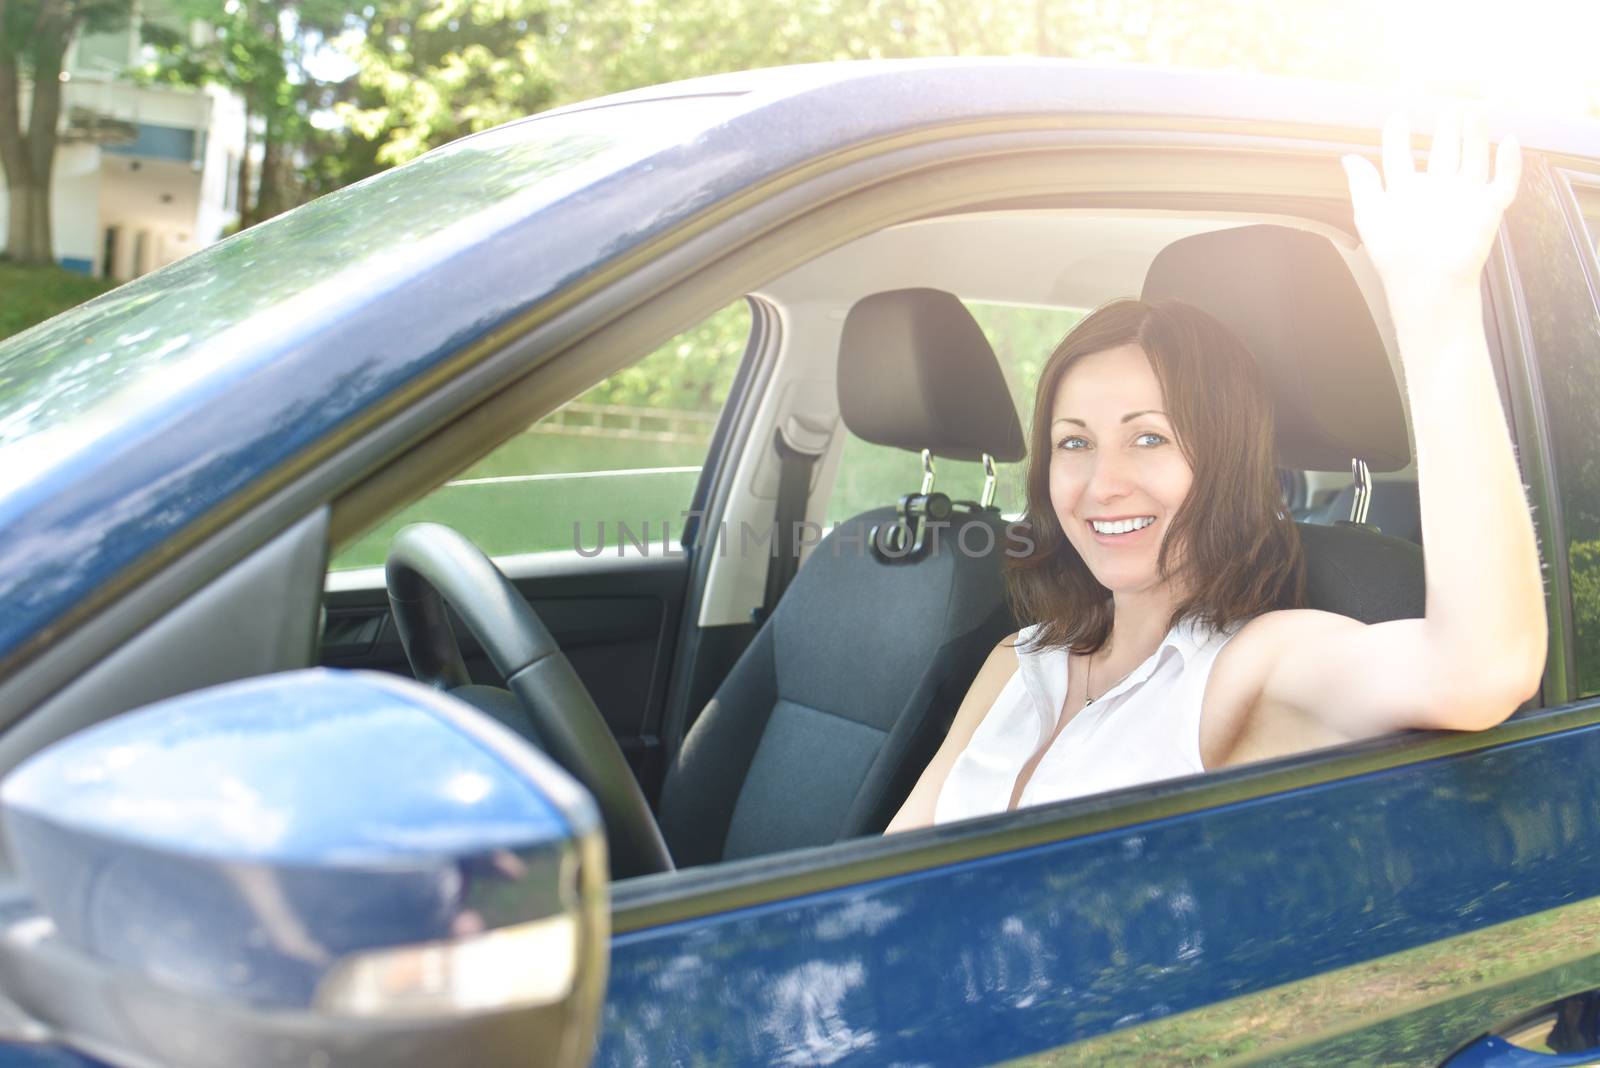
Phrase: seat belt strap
(799, 446)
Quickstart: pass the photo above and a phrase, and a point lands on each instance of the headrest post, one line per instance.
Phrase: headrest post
(1363, 494)
(927, 473)
(986, 499)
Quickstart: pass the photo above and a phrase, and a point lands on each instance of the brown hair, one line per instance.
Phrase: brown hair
(1239, 550)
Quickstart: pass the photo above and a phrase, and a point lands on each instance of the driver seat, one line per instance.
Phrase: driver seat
(823, 725)
(1288, 295)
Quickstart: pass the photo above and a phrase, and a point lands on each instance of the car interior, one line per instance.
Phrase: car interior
(759, 712)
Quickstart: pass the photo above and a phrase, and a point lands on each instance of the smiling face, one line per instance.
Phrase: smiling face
(1151, 415)
(1117, 475)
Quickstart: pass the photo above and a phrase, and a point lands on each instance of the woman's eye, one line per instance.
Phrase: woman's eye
(1150, 439)
(1072, 444)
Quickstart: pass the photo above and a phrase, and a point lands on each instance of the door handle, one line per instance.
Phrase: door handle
(1568, 1029)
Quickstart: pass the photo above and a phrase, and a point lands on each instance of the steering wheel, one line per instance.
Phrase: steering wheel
(430, 566)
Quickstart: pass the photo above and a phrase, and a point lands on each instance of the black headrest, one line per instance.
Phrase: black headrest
(916, 372)
(1290, 298)
(1354, 571)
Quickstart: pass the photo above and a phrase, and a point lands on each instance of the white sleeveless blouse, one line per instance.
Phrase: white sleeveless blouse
(1145, 728)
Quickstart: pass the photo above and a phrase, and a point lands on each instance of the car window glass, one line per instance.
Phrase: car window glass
(871, 476)
(626, 454)
(1584, 541)
(218, 314)
(1565, 326)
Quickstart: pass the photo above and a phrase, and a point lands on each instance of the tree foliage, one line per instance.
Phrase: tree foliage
(425, 72)
(430, 72)
(261, 50)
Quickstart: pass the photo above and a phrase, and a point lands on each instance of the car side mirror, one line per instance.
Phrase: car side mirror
(318, 867)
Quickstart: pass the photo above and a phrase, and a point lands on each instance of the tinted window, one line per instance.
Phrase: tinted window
(1566, 334)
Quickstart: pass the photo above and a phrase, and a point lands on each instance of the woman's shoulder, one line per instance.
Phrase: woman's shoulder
(1008, 651)
(1026, 641)
(1001, 665)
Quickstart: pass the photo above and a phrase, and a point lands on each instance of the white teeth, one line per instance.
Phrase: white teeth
(1121, 526)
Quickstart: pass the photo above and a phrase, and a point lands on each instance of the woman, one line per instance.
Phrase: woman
(1166, 585)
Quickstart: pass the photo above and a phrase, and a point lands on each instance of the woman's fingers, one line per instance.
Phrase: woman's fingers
(1397, 166)
(1366, 188)
(1474, 148)
(1507, 170)
(1444, 157)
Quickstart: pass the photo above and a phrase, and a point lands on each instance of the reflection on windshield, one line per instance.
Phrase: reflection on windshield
(71, 379)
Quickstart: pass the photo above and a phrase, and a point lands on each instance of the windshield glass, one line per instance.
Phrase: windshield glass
(71, 379)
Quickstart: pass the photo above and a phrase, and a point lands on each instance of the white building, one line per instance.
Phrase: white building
(144, 175)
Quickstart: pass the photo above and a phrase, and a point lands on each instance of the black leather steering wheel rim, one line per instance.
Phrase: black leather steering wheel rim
(430, 566)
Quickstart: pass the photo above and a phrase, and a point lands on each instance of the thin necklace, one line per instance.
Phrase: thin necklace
(1088, 680)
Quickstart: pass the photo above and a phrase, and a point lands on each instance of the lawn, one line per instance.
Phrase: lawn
(30, 295)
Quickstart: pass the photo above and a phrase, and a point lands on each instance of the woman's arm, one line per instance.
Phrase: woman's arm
(992, 678)
(1479, 652)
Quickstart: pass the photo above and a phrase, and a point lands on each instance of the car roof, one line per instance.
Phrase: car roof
(178, 392)
(945, 89)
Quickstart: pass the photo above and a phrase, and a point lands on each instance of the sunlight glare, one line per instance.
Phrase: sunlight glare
(1540, 55)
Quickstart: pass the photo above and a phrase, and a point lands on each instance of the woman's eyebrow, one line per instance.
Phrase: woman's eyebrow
(1126, 419)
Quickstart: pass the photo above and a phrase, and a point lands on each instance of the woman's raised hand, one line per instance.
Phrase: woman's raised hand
(1429, 233)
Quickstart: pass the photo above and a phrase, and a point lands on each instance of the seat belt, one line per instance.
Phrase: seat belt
(799, 443)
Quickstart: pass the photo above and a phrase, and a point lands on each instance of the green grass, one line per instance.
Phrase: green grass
(30, 295)
(558, 513)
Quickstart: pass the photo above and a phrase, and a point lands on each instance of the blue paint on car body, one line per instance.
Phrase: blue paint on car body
(1054, 944)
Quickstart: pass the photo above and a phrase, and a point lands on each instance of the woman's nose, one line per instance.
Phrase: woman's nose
(1110, 479)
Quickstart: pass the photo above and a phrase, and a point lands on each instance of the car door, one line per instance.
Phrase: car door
(1394, 902)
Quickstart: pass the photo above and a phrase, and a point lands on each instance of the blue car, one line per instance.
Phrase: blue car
(522, 576)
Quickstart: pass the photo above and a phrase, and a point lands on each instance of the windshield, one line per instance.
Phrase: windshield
(72, 379)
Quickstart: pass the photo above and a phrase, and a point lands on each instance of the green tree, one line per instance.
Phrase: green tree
(431, 72)
(34, 38)
(261, 50)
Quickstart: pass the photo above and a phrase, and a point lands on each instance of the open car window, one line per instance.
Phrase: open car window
(1023, 308)
(610, 470)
